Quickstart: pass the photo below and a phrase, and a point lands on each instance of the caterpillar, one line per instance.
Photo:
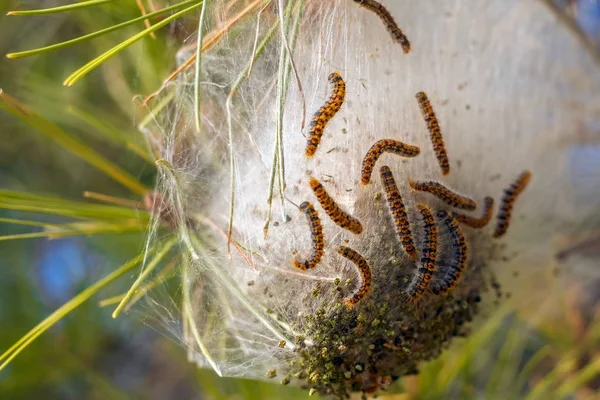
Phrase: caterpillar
(398, 212)
(388, 21)
(325, 113)
(383, 146)
(337, 215)
(365, 273)
(459, 255)
(488, 210)
(435, 134)
(508, 200)
(444, 194)
(318, 240)
(428, 256)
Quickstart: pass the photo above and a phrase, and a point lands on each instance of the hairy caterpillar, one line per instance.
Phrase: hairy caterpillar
(459, 254)
(388, 21)
(325, 113)
(337, 215)
(508, 200)
(318, 240)
(384, 146)
(365, 273)
(428, 256)
(398, 212)
(444, 194)
(488, 210)
(435, 133)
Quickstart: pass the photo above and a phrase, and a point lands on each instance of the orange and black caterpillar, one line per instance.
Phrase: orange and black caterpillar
(508, 200)
(380, 147)
(428, 256)
(398, 212)
(325, 113)
(444, 194)
(337, 215)
(316, 232)
(488, 210)
(435, 133)
(459, 255)
(365, 273)
(388, 21)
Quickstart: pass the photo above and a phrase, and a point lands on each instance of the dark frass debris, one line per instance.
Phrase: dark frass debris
(367, 347)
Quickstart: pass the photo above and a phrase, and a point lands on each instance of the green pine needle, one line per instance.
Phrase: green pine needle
(166, 247)
(77, 229)
(70, 143)
(71, 305)
(27, 223)
(101, 32)
(83, 71)
(55, 10)
(110, 133)
(18, 201)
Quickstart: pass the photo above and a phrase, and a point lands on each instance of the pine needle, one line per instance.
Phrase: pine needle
(78, 229)
(59, 314)
(586, 374)
(87, 68)
(25, 222)
(165, 248)
(110, 133)
(67, 141)
(210, 42)
(18, 201)
(113, 200)
(197, 91)
(142, 8)
(475, 342)
(101, 32)
(55, 10)
(160, 278)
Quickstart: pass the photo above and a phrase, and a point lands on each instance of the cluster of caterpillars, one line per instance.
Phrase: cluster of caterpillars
(340, 217)
(343, 220)
(449, 221)
(428, 277)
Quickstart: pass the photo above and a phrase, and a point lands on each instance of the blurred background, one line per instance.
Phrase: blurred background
(89, 355)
